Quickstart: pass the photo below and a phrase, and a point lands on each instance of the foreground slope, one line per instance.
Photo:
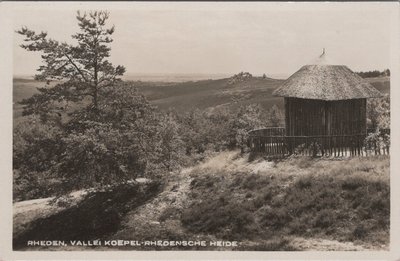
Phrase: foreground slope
(298, 204)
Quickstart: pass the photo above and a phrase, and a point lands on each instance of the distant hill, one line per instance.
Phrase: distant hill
(204, 94)
(211, 93)
(172, 77)
(380, 83)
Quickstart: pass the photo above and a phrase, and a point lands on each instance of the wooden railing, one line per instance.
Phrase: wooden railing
(272, 142)
(271, 131)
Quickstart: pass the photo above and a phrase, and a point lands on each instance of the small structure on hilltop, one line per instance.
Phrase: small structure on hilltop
(240, 77)
(325, 112)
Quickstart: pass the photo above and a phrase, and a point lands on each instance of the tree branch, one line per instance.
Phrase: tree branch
(76, 67)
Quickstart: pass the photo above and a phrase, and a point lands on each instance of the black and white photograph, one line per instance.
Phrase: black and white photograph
(202, 126)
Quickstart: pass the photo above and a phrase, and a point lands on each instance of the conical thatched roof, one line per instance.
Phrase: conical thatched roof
(322, 81)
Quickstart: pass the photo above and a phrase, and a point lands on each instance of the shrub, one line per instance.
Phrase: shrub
(359, 232)
(222, 217)
(325, 218)
(377, 142)
(224, 128)
(263, 197)
(168, 213)
(378, 113)
(32, 185)
(352, 183)
(125, 138)
(275, 218)
(330, 200)
(304, 182)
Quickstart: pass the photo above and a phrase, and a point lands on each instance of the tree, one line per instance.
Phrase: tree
(275, 117)
(120, 145)
(36, 149)
(82, 70)
(171, 150)
(378, 113)
(109, 136)
(248, 118)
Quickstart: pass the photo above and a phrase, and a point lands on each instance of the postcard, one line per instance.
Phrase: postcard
(179, 130)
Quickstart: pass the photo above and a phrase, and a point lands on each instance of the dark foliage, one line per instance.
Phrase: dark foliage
(224, 128)
(97, 216)
(118, 144)
(375, 73)
(255, 206)
(378, 113)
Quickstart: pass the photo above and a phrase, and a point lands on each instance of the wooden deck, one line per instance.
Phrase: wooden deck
(272, 142)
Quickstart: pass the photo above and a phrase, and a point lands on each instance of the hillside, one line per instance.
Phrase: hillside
(211, 93)
(298, 204)
(203, 94)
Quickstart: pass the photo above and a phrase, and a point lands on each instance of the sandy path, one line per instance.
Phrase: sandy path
(145, 220)
(24, 212)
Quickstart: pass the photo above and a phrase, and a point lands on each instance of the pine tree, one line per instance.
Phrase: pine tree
(81, 71)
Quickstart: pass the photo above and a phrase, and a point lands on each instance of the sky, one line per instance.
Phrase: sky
(222, 38)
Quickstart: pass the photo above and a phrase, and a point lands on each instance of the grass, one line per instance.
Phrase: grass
(344, 200)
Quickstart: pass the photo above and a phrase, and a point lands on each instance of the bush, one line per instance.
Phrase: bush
(359, 232)
(304, 182)
(352, 183)
(33, 185)
(168, 213)
(378, 113)
(224, 128)
(222, 217)
(377, 142)
(325, 219)
(338, 200)
(123, 139)
(275, 218)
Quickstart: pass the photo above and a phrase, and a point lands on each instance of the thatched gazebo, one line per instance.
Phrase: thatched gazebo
(325, 105)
